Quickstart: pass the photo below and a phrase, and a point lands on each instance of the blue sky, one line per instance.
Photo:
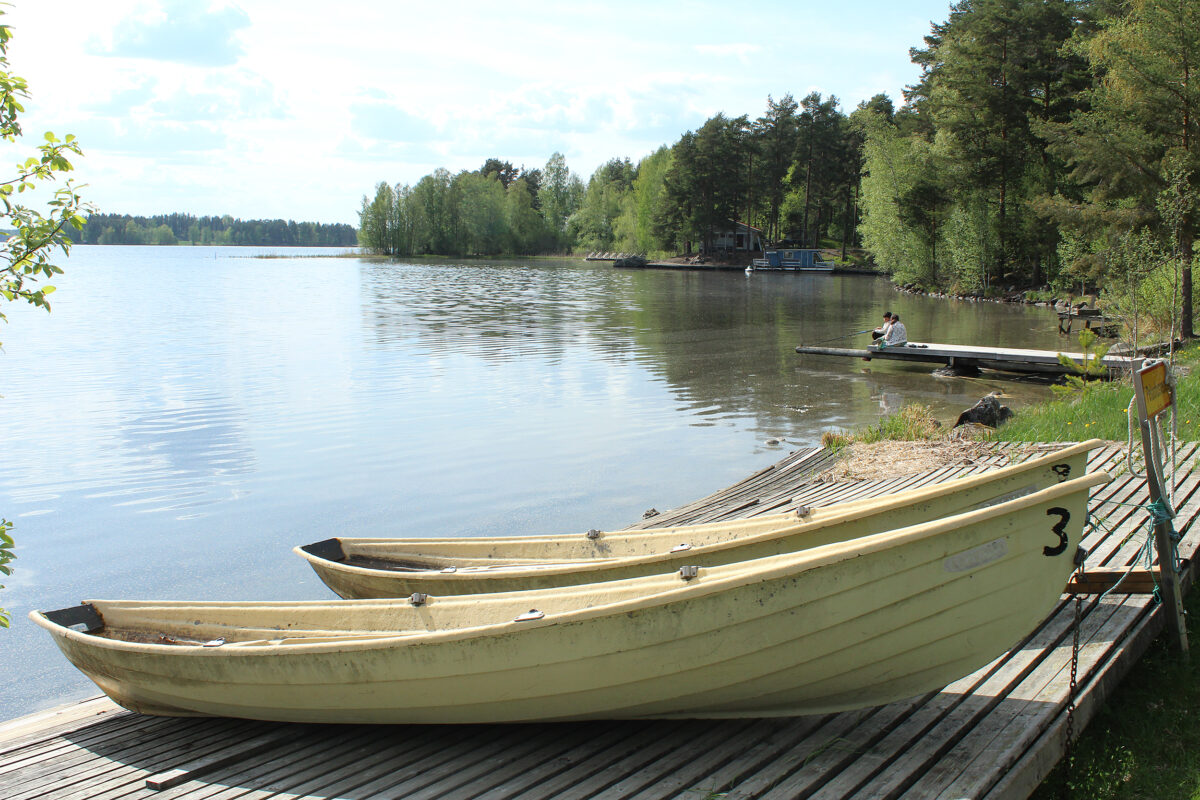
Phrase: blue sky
(295, 108)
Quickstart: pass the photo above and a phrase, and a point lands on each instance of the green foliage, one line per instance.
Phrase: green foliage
(912, 422)
(1143, 288)
(1135, 150)
(778, 134)
(126, 229)
(561, 193)
(1083, 377)
(594, 225)
(6, 557)
(1098, 413)
(496, 209)
(1102, 411)
(893, 163)
(950, 181)
(25, 258)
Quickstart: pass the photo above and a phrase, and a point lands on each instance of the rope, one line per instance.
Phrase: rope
(1159, 512)
(1156, 426)
(1130, 415)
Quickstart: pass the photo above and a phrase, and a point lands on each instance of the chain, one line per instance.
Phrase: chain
(1074, 675)
(1069, 746)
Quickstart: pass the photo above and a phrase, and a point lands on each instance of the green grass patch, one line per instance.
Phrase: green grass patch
(1099, 411)
(913, 422)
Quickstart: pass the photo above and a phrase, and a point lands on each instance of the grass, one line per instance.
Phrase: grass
(1099, 412)
(911, 423)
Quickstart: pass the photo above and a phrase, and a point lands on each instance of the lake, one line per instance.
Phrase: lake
(186, 415)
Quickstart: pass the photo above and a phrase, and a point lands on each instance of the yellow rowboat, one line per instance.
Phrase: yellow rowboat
(365, 568)
(840, 626)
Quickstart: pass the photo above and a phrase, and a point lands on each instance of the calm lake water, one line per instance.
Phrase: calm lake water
(187, 415)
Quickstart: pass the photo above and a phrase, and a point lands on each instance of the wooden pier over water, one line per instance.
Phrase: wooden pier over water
(993, 734)
(971, 357)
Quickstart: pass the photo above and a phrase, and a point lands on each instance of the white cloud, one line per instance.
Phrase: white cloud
(180, 31)
(295, 108)
(742, 51)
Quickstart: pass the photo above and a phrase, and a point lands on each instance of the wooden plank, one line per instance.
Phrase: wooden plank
(520, 776)
(520, 744)
(132, 760)
(1005, 733)
(1129, 518)
(849, 730)
(999, 358)
(506, 742)
(380, 756)
(56, 769)
(892, 759)
(23, 731)
(42, 748)
(1041, 756)
(725, 750)
(111, 758)
(628, 774)
(1103, 579)
(731, 777)
(641, 745)
(209, 762)
(924, 752)
(285, 771)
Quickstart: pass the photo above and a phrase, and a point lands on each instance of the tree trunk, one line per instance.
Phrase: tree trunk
(1185, 324)
(808, 178)
(846, 220)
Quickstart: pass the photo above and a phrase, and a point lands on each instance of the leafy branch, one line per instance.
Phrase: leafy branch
(25, 257)
(6, 556)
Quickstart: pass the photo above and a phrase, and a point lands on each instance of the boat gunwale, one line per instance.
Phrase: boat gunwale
(741, 574)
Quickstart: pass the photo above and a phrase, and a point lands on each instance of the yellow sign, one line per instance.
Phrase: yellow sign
(1155, 389)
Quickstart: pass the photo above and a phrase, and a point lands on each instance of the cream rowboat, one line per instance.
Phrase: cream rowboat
(838, 626)
(366, 568)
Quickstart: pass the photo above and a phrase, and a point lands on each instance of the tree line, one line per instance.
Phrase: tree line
(794, 171)
(167, 229)
(1047, 143)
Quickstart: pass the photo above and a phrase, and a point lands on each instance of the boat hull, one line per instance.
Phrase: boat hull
(845, 625)
(370, 568)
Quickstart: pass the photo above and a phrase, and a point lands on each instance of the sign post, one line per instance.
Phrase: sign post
(1155, 394)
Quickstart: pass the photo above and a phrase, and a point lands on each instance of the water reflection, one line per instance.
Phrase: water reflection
(722, 342)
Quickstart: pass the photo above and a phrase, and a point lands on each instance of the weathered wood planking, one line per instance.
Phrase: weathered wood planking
(993, 734)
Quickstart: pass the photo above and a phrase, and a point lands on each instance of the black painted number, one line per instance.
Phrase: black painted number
(1059, 528)
(1062, 471)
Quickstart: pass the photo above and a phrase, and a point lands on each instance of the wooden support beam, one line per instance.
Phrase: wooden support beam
(1100, 580)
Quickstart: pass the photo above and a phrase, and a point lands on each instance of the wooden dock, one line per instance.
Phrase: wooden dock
(1092, 320)
(993, 734)
(971, 357)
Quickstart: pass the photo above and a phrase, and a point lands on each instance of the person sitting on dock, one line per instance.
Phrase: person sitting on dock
(882, 330)
(897, 335)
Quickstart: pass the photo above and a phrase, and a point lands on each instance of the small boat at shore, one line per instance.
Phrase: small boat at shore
(845, 625)
(367, 568)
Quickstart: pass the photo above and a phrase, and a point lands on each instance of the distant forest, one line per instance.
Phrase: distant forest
(1047, 143)
(225, 230)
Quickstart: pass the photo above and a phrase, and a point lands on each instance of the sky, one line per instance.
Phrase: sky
(295, 109)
